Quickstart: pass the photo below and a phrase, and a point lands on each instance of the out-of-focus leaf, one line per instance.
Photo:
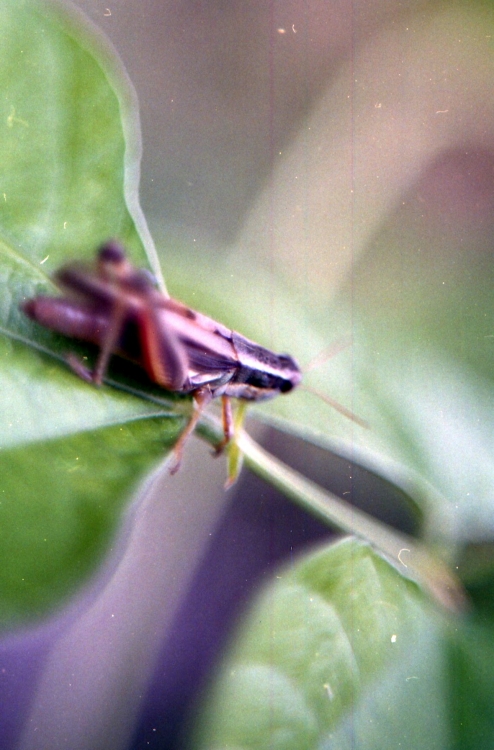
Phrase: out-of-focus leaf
(70, 454)
(71, 143)
(471, 679)
(332, 655)
(60, 502)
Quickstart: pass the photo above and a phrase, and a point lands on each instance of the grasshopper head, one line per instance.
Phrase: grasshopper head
(112, 264)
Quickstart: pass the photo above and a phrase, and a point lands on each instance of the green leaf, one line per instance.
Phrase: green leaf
(471, 655)
(70, 454)
(332, 654)
(71, 143)
(60, 502)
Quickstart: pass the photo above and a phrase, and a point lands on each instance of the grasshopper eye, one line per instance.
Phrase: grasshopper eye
(111, 253)
(287, 385)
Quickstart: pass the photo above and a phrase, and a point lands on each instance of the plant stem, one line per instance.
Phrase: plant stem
(410, 557)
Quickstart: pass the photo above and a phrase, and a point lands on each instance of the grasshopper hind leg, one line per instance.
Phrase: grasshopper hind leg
(202, 398)
(228, 424)
(107, 347)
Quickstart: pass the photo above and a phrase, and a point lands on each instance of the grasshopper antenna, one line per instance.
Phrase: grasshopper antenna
(327, 354)
(336, 405)
(320, 359)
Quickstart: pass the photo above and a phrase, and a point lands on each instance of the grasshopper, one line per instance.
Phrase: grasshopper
(119, 308)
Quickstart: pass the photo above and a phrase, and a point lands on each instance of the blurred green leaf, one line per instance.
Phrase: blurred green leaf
(71, 144)
(340, 651)
(60, 501)
(70, 454)
(471, 680)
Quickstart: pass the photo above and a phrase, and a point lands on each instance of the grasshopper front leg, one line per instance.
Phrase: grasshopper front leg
(202, 397)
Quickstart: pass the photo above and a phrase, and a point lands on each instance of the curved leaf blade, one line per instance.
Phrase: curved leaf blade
(70, 454)
(331, 638)
(61, 502)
